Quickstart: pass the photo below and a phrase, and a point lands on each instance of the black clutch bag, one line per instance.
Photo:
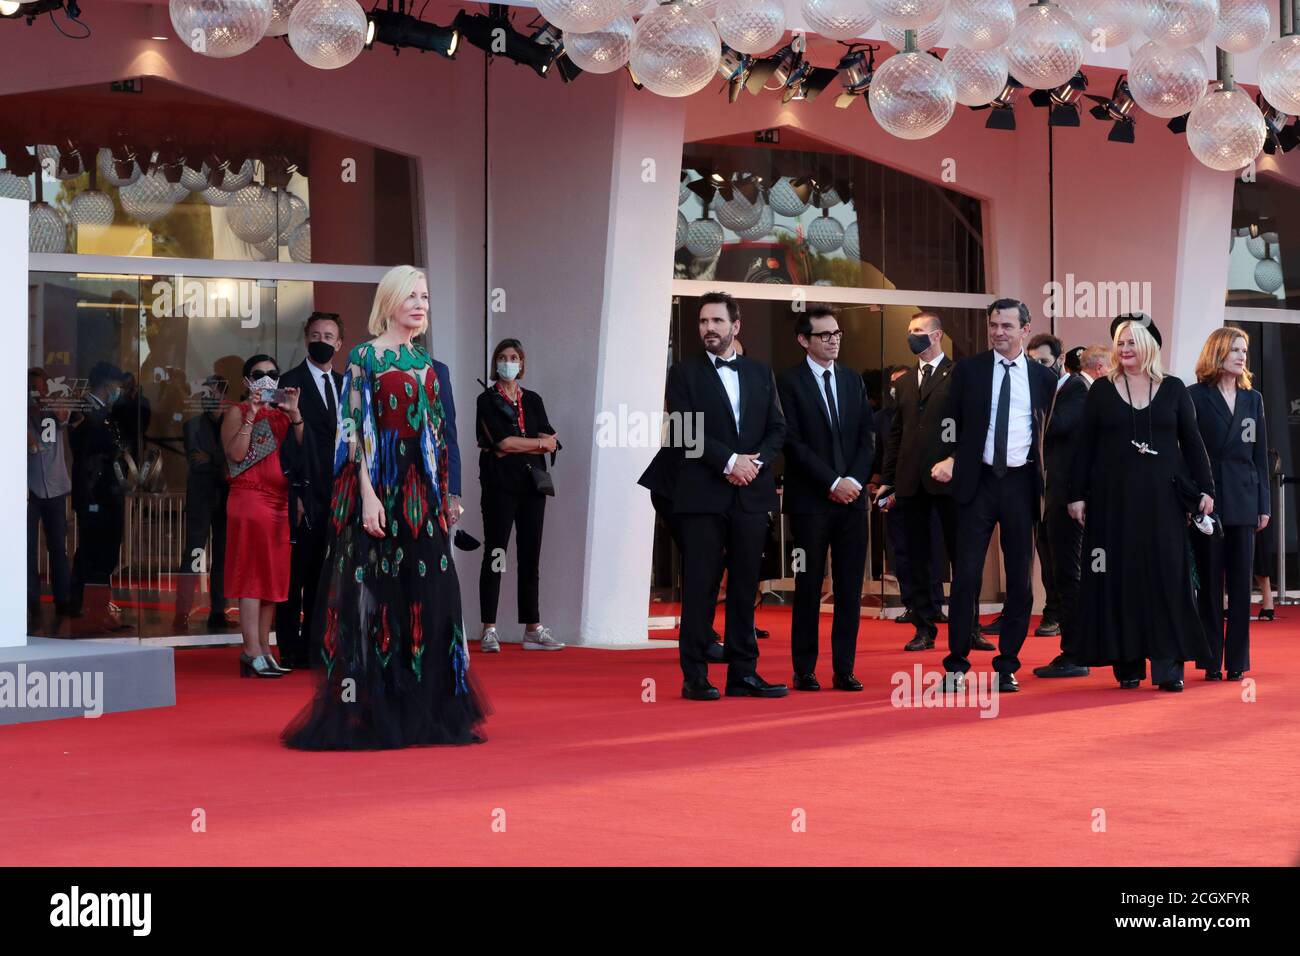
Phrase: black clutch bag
(542, 480)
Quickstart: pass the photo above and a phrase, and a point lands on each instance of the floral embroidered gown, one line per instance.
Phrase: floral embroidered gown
(396, 663)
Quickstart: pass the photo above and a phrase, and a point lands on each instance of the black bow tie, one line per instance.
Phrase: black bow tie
(734, 364)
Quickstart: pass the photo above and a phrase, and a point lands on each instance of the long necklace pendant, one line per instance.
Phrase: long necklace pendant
(1143, 448)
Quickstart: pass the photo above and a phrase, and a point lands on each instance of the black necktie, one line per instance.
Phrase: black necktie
(925, 375)
(330, 404)
(837, 445)
(734, 364)
(1004, 419)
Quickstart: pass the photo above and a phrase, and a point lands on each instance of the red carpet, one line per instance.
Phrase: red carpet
(589, 774)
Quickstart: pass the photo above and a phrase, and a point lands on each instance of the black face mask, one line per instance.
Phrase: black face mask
(918, 343)
(320, 352)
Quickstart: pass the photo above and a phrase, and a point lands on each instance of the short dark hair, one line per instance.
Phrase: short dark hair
(1046, 338)
(102, 372)
(997, 305)
(323, 317)
(927, 314)
(258, 358)
(803, 325)
(722, 298)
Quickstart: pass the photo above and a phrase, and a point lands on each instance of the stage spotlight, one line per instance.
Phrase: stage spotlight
(397, 28)
(1063, 101)
(30, 11)
(1281, 136)
(1178, 125)
(1118, 108)
(777, 67)
(1002, 114)
(734, 68)
(856, 68)
(551, 40)
(807, 81)
(483, 32)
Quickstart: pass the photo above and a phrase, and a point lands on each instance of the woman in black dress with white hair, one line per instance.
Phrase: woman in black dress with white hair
(1140, 459)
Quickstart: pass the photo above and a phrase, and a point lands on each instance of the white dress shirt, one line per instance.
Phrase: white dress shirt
(1061, 381)
(934, 367)
(817, 371)
(325, 380)
(730, 379)
(1020, 422)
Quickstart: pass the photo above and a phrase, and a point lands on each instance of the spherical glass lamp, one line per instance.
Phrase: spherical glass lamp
(235, 180)
(1257, 246)
(280, 11)
(912, 96)
(675, 50)
(14, 187)
(604, 50)
(838, 19)
(682, 226)
(1107, 23)
(1045, 49)
(1279, 74)
(46, 230)
(291, 212)
(907, 14)
(851, 248)
(704, 238)
(251, 214)
(981, 24)
(784, 200)
(1242, 26)
(108, 170)
(751, 26)
(738, 213)
(1179, 23)
(1165, 81)
(581, 16)
(220, 28)
(327, 34)
(1226, 130)
(1268, 275)
(928, 35)
(825, 234)
(761, 229)
(91, 210)
(149, 198)
(300, 242)
(977, 75)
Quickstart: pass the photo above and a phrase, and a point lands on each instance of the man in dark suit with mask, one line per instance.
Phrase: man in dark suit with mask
(828, 451)
(722, 497)
(994, 421)
(309, 503)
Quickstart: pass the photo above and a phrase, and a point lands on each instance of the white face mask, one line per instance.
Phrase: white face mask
(508, 371)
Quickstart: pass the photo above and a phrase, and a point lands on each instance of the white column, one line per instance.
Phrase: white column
(1201, 283)
(632, 361)
(13, 438)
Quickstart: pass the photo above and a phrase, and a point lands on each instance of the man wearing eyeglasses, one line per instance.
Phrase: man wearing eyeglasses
(829, 443)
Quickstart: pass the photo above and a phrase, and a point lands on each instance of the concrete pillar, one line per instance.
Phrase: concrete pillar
(13, 480)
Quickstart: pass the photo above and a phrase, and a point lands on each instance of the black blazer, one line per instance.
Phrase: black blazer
(319, 430)
(970, 401)
(809, 460)
(701, 487)
(1240, 467)
(1059, 438)
(915, 433)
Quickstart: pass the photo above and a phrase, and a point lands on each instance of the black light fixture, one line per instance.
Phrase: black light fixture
(734, 67)
(807, 82)
(494, 35)
(855, 69)
(30, 11)
(1118, 108)
(395, 27)
(1178, 125)
(1281, 136)
(1062, 101)
(551, 39)
(1002, 114)
(776, 67)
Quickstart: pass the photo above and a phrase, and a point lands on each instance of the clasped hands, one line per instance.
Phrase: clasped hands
(744, 470)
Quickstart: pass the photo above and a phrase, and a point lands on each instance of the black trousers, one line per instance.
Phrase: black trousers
(1162, 671)
(99, 545)
(844, 532)
(204, 512)
(918, 510)
(1065, 548)
(1011, 504)
(899, 561)
(294, 633)
(52, 513)
(1047, 571)
(502, 511)
(710, 543)
(1225, 563)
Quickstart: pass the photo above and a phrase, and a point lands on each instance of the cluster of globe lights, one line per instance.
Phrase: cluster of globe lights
(261, 217)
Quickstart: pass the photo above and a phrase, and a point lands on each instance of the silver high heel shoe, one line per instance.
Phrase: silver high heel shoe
(255, 667)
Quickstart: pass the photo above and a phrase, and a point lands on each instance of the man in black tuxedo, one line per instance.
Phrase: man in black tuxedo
(915, 443)
(309, 504)
(828, 451)
(1046, 349)
(722, 497)
(1064, 534)
(997, 405)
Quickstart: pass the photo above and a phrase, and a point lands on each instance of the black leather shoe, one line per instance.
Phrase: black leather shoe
(1173, 686)
(921, 642)
(1129, 684)
(806, 682)
(993, 626)
(699, 690)
(1061, 666)
(846, 682)
(953, 681)
(716, 653)
(907, 617)
(940, 618)
(1007, 684)
(755, 686)
(1214, 675)
(1236, 675)
(1266, 614)
(981, 643)
(1048, 629)
(760, 633)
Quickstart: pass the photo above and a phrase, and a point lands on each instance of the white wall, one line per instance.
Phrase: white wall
(13, 478)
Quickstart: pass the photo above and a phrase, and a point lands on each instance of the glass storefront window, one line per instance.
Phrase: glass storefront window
(1262, 260)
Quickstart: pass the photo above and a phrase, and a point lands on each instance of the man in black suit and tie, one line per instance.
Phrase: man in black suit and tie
(828, 451)
(916, 443)
(309, 504)
(1064, 534)
(997, 405)
(722, 497)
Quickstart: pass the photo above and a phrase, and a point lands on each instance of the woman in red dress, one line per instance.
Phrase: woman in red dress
(261, 439)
